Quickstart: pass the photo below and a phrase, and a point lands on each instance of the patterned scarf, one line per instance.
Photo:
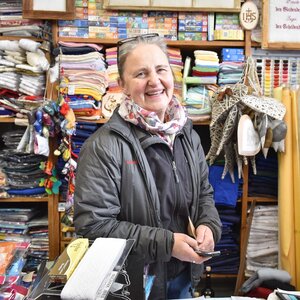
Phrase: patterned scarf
(175, 118)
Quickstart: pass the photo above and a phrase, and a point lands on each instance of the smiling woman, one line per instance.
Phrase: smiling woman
(143, 176)
(148, 80)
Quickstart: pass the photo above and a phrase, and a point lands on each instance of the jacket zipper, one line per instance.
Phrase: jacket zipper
(174, 167)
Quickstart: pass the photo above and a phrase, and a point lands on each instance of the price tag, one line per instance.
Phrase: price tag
(71, 89)
(61, 206)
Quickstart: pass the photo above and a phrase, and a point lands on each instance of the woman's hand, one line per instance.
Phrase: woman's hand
(183, 249)
(205, 238)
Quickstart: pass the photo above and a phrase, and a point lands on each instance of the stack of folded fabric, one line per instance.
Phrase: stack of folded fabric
(112, 70)
(12, 23)
(226, 195)
(176, 63)
(39, 240)
(14, 226)
(197, 103)
(29, 227)
(264, 182)
(114, 93)
(67, 171)
(8, 102)
(195, 94)
(83, 131)
(206, 66)
(21, 173)
(11, 54)
(262, 249)
(23, 66)
(265, 280)
(11, 139)
(232, 66)
(83, 80)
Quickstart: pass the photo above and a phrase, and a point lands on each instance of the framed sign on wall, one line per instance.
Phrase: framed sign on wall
(50, 10)
(281, 24)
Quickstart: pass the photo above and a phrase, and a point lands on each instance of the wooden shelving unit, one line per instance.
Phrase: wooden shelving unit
(57, 240)
(53, 220)
(52, 200)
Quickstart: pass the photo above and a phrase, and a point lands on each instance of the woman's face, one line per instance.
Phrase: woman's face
(148, 78)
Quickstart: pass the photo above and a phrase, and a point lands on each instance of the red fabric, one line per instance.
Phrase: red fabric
(86, 112)
(259, 292)
(9, 93)
(199, 73)
(26, 97)
(64, 108)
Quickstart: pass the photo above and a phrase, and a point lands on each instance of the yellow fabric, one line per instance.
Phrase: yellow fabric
(296, 179)
(207, 57)
(96, 95)
(277, 93)
(289, 191)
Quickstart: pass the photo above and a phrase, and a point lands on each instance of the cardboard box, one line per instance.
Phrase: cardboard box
(68, 260)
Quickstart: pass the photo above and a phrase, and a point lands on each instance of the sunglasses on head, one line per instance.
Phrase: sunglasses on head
(146, 36)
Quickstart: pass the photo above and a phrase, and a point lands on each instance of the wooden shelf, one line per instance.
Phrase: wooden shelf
(17, 38)
(100, 121)
(223, 275)
(25, 199)
(201, 123)
(261, 199)
(178, 44)
(255, 45)
(264, 199)
(7, 120)
(205, 44)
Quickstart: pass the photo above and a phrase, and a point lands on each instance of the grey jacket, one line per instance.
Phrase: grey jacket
(116, 196)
